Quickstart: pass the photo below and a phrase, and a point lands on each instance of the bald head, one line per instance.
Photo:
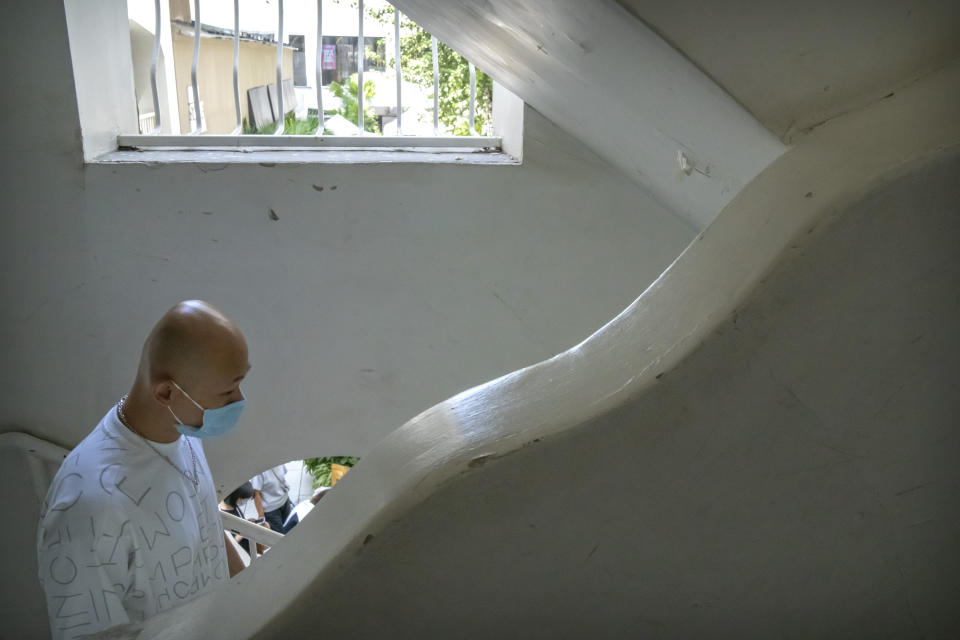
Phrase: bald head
(191, 343)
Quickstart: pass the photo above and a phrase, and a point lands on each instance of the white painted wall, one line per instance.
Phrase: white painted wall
(797, 477)
(22, 603)
(391, 289)
(795, 65)
(507, 120)
(105, 95)
(389, 272)
(763, 445)
(367, 303)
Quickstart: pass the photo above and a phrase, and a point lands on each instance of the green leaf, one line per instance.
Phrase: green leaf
(319, 468)
(348, 102)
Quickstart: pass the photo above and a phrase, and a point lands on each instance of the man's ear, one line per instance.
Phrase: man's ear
(163, 393)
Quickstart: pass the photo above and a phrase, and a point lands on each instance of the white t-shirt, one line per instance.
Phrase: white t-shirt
(273, 488)
(123, 535)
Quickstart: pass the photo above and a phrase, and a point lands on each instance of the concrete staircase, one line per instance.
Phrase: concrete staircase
(763, 444)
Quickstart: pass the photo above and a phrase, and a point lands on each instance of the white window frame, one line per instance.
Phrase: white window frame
(102, 62)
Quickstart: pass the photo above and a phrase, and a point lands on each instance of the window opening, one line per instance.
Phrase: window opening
(402, 87)
(278, 499)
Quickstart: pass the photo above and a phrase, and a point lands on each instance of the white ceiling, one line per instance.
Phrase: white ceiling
(607, 79)
(796, 64)
(645, 82)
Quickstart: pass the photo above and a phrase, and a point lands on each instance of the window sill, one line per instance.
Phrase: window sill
(328, 155)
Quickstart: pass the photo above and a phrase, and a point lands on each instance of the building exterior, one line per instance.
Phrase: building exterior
(257, 66)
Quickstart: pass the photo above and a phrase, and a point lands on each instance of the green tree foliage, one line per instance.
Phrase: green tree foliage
(291, 125)
(319, 468)
(348, 102)
(417, 66)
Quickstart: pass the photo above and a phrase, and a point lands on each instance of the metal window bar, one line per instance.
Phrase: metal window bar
(155, 139)
(236, 65)
(319, 69)
(396, 47)
(153, 68)
(193, 68)
(147, 123)
(436, 86)
(361, 54)
(280, 112)
(473, 96)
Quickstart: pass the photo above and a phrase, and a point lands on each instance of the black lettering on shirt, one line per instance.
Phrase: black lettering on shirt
(65, 571)
(151, 542)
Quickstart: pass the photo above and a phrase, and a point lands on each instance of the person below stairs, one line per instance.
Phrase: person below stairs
(271, 498)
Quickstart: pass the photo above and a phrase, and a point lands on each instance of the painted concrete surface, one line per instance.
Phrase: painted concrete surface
(375, 292)
(104, 89)
(219, 158)
(607, 79)
(763, 444)
(476, 269)
(796, 477)
(371, 292)
(23, 608)
(820, 58)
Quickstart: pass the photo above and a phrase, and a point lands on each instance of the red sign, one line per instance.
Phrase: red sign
(329, 57)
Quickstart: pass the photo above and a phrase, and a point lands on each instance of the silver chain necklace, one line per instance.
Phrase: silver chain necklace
(195, 479)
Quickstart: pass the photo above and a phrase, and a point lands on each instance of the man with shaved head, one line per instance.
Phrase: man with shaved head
(130, 526)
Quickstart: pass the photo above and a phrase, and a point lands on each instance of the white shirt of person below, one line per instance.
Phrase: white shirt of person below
(272, 498)
(130, 526)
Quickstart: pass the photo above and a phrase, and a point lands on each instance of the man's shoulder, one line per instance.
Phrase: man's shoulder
(75, 508)
(84, 490)
(90, 469)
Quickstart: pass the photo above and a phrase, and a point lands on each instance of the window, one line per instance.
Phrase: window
(260, 88)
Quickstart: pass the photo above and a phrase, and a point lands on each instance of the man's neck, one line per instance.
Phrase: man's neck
(147, 418)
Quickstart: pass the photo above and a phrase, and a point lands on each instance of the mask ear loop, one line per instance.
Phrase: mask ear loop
(197, 404)
(179, 421)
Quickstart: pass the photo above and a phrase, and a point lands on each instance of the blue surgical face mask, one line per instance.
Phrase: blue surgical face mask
(216, 422)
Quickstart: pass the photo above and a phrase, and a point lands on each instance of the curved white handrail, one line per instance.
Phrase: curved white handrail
(46, 451)
(255, 532)
(43, 458)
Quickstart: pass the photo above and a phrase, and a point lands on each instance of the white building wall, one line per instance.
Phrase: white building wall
(364, 303)
(379, 291)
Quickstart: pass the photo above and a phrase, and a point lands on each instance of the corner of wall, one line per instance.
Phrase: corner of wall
(508, 120)
(99, 36)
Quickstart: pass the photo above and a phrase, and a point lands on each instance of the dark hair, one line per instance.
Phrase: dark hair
(243, 492)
